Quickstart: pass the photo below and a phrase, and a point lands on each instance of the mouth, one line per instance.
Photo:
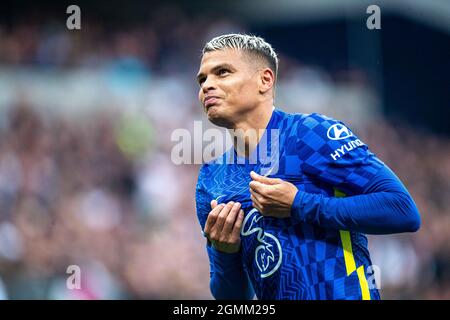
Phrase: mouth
(210, 101)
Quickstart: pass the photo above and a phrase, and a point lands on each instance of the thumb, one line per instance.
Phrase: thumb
(213, 204)
(263, 179)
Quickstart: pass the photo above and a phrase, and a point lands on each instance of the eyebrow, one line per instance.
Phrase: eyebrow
(214, 69)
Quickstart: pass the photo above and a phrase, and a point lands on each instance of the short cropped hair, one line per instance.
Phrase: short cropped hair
(249, 43)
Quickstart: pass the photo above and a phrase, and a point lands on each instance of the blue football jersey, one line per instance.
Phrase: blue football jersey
(287, 258)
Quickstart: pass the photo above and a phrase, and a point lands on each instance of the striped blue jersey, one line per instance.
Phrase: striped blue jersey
(288, 258)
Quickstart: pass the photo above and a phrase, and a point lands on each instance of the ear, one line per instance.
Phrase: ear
(267, 80)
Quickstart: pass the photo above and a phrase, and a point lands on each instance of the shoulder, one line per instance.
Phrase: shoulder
(321, 125)
(301, 124)
(313, 120)
(289, 123)
(305, 120)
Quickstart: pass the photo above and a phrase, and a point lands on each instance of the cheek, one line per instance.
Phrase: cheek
(251, 86)
(234, 90)
(244, 91)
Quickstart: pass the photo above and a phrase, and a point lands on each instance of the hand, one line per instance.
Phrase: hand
(223, 226)
(272, 197)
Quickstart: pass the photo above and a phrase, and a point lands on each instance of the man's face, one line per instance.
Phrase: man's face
(228, 86)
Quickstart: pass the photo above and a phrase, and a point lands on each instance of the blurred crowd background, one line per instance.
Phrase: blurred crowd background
(86, 118)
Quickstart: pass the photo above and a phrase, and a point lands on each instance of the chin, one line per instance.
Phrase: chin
(218, 119)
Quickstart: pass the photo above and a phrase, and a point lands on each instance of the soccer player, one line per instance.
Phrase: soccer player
(295, 230)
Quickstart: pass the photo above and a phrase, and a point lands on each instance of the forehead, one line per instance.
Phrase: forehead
(224, 56)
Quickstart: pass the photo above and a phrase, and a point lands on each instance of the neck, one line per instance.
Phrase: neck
(248, 131)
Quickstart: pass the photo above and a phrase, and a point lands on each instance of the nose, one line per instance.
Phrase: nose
(208, 85)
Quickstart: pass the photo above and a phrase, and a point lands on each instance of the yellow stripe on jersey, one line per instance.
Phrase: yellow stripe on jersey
(363, 283)
(349, 259)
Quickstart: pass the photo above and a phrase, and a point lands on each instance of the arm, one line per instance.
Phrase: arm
(228, 278)
(378, 201)
(386, 207)
(221, 225)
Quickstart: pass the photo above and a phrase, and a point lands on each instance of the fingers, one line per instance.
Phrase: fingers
(263, 179)
(213, 204)
(258, 187)
(256, 195)
(212, 218)
(262, 192)
(256, 203)
(220, 222)
(223, 226)
(235, 234)
(230, 220)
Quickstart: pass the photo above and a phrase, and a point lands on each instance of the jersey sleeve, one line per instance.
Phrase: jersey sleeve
(375, 201)
(202, 202)
(333, 154)
(228, 277)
